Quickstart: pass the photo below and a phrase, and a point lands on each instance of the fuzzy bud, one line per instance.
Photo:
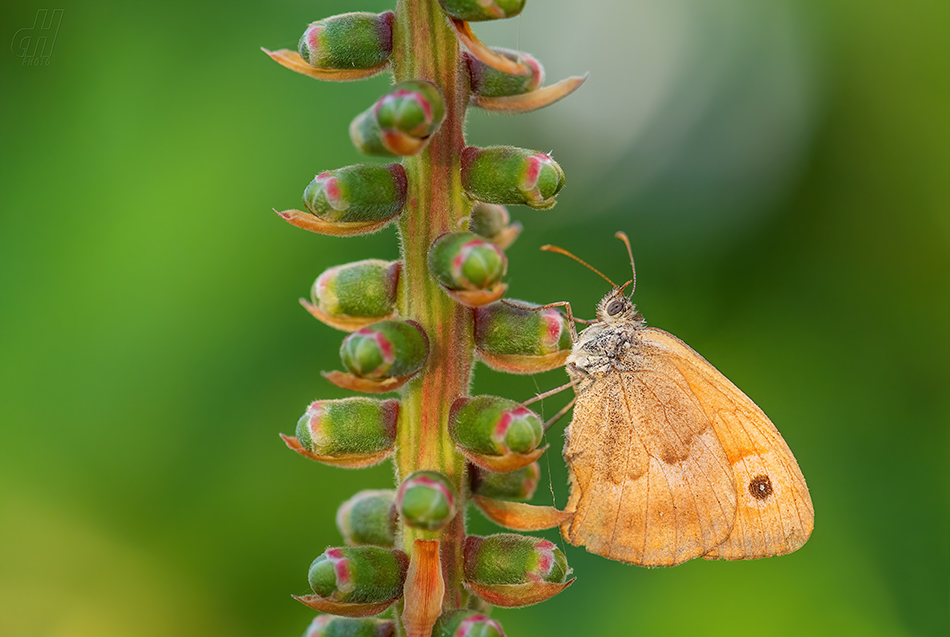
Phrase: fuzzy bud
(369, 517)
(426, 500)
(466, 261)
(401, 121)
(512, 337)
(348, 41)
(509, 558)
(494, 426)
(333, 626)
(348, 426)
(358, 193)
(509, 175)
(479, 10)
(359, 574)
(487, 81)
(514, 485)
(355, 294)
(388, 349)
(467, 623)
(493, 222)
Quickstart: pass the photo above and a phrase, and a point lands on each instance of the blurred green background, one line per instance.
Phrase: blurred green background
(782, 169)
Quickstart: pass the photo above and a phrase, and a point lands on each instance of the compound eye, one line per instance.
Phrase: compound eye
(616, 307)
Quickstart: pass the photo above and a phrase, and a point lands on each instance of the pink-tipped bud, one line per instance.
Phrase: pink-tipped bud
(509, 175)
(487, 81)
(426, 500)
(355, 294)
(467, 623)
(359, 574)
(493, 222)
(514, 338)
(494, 426)
(401, 121)
(333, 626)
(348, 426)
(479, 10)
(388, 349)
(349, 41)
(359, 193)
(369, 517)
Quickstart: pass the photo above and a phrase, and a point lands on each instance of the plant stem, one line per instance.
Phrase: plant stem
(425, 47)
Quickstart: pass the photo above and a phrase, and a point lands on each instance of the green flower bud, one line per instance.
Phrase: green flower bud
(348, 426)
(478, 10)
(466, 261)
(513, 338)
(359, 574)
(493, 222)
(490, 82)
(401, 121)
(514, 485)
(509, 175)
(359, 193)
(467, 623)
(508, 558)
(333, 626)
(369, 517)
(349, 41)
(426, 500)
(356, 294)
(387, 349)
(494, 426)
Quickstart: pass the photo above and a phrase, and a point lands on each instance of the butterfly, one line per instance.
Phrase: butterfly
(668, 460)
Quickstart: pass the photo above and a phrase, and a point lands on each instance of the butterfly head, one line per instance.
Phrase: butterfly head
(616, 308)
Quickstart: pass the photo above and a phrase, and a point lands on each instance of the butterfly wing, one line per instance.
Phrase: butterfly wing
(774, 515)
(650, 483)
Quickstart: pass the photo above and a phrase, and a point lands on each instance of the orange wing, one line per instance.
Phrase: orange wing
(774, 514)
(650, 483)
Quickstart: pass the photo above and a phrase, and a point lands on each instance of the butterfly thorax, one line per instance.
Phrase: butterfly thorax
(610, 344)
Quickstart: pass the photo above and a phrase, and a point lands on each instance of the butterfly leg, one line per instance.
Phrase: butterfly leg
(559, 414)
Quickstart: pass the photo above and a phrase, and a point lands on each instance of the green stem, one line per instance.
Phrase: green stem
(425, 47)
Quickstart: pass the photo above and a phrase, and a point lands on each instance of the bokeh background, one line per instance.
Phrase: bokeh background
(782, 169)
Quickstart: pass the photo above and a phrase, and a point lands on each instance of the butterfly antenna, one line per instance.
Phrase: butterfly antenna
(623, 237)
(550, 248)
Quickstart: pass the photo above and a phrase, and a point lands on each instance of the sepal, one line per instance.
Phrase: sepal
(369, 517)
(508, 175)
(424, 589)
(512, 337)
(349, 41)
(354, 295)
(519, 516)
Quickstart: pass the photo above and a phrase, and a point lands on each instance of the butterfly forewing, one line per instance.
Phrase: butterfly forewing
(650, 482)
(774, 513)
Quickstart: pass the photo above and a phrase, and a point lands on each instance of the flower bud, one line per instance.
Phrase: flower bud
(466, 261)
(333, 626)
(478, 10)
(369, 517)
(496, 433)
(509, 558)
(349, 41)
(360, 193)
(512, 337)
(493, 222)
(467, 623)
(490, 82)
(349, 427)
(514, 485)
(359, 574)
(509, 175)
(355, 294)
(401, 121)
(426, 500)
(388, 349)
